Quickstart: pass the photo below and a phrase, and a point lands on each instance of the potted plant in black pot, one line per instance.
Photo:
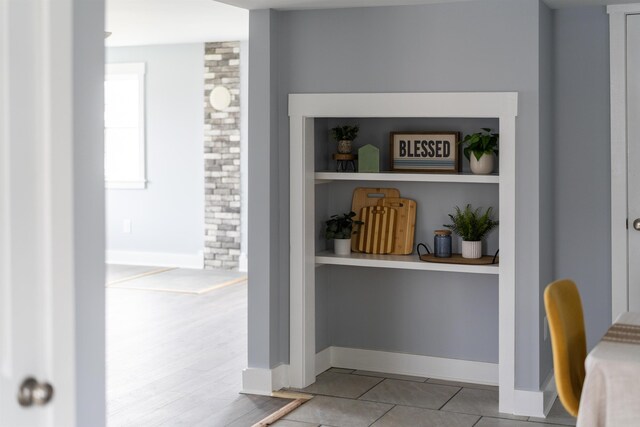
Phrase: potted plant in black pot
(340, 228)
(472, 226)
(345, 135)
(479, 149)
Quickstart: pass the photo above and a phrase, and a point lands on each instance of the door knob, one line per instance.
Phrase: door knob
(32, 392)
(636, 224)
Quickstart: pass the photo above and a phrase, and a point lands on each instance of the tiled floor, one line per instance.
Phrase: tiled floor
(346, 398)
(176, 360)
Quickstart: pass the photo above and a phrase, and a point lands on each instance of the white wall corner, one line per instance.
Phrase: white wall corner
(265, 381)
(243, 262)
(536, 403)
(156, 259)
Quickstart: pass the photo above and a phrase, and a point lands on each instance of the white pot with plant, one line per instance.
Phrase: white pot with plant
(480, 149)
(472, 226)
(340, 228)
(345, 135)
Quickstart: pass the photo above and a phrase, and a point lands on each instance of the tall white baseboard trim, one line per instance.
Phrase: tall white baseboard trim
(412, 364)
(536, 403)
(243, 262)
(528, 403)
(156, 259)
(264, 381)
(323, 360)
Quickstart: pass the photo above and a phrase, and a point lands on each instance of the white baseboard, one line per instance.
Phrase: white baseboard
(323, 360)
(536, 403)
(156, 259)
(528, 403)
(243, 262)
(412, 364)
(550, 392)
(264, 381)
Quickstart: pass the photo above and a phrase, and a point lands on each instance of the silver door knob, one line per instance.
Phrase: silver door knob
(636, 224)
(32, 392)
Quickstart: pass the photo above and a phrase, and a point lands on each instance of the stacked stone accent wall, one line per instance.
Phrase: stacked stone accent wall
(222, 158)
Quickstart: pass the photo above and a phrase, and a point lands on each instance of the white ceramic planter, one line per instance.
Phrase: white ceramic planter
(342, 246)
(484, 166)
(344, 146)
(471, 249)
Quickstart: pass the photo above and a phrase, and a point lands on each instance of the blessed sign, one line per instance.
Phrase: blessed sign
(424, 151)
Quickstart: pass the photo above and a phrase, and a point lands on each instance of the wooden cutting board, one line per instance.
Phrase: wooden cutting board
(405, 223)
(377, 234)
(364, 197)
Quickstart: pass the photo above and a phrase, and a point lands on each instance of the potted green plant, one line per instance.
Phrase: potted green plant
(340, 228)
(479, 149)
(472, 225)
(345, 135)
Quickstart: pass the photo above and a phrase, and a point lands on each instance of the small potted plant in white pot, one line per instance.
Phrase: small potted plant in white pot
(345, 135)
(479, 150)
(340, 228)
(472, 226)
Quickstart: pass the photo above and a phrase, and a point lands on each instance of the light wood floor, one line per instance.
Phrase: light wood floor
(176, 359)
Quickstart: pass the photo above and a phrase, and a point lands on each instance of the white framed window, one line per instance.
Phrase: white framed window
(124, 126)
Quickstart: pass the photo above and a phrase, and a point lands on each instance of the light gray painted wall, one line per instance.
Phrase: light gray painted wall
(547, 160)
(88, 211)
(264, 296)
(388, 49)
(582, 172)
(167, 216)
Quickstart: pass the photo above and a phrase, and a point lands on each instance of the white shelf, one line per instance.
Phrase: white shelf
(322, 177)
(403, 262)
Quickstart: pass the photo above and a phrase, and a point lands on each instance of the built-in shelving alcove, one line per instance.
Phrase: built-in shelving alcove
(317, 190)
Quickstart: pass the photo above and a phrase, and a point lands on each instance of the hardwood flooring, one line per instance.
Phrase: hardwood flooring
(176, 359)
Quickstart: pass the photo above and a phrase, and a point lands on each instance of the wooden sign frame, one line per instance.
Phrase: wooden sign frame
(428, 152)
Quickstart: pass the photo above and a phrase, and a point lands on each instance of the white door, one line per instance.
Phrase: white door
(633, 162)
(41, 323)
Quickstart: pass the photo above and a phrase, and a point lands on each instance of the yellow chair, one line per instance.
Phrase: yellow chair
(568, 342)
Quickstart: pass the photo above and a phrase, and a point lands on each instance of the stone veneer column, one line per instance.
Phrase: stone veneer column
(222, 158)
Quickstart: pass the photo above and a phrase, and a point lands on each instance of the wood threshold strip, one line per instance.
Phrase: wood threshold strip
(289, 407)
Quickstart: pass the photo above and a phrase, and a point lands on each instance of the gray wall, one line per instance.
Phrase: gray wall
(546, 153)
(88, 212)
(167, 216)
(582, 171)
(264, 296)
(389, 49)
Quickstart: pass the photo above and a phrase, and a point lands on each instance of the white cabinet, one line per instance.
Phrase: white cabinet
(304, 109)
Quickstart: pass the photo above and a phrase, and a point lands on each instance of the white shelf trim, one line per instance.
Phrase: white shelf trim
(303, 109)
(322, 177)
(405, 262)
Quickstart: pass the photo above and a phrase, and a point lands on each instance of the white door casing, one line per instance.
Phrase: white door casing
(623, 238)
(41, 321)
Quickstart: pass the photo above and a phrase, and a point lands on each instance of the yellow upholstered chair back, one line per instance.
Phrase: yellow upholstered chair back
(568, 342)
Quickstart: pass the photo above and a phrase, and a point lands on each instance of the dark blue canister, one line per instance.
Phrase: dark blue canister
(442, 244)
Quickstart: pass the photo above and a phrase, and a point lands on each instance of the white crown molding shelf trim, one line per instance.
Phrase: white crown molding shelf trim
(303, 110)
(156, 259)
